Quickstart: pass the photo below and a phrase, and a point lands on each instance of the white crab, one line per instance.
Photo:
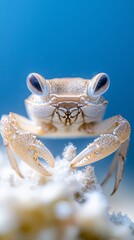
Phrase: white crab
(66, 107)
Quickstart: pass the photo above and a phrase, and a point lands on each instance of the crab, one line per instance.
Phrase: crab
(66, 107)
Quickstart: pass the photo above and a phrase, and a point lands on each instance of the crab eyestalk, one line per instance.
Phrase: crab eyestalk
(38, 85)
(98, 85)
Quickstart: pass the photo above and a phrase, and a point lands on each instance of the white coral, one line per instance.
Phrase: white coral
(69, 205)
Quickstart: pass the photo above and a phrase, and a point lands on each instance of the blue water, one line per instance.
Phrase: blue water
(69, 38)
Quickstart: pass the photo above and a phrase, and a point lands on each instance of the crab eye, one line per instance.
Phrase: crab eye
(102, 83)
(33, 83)
(98, 85)
(37, 84)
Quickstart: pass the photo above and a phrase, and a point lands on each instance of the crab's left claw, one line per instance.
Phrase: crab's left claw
(25, 145)
(100, 148)
(116, 138)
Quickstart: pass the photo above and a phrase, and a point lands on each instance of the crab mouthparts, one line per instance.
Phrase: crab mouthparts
(68, 112)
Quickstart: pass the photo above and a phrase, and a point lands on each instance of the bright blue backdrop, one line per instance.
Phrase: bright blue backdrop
(59, 38)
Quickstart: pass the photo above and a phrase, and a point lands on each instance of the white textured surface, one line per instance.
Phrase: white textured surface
(69, 205)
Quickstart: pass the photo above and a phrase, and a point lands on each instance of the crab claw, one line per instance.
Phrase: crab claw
(81, 159)
(100, 148)
(38, 150)
(25, 145)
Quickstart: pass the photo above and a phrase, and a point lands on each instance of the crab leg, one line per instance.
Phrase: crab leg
(118, 165)
(12, 160)
(28, 125)
(116, 132)
(25, 145)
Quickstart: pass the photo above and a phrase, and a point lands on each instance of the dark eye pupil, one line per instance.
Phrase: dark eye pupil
(34, 82)
(102, 81)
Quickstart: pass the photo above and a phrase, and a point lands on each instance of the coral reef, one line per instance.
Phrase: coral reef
(69, 205)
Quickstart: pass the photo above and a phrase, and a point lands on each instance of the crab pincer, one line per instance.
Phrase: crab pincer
(25, 145)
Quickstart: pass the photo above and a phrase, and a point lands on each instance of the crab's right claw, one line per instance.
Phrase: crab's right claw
(25, 145)
(39, 150)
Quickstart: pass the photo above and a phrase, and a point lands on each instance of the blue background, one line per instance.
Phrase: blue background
(59, 38)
